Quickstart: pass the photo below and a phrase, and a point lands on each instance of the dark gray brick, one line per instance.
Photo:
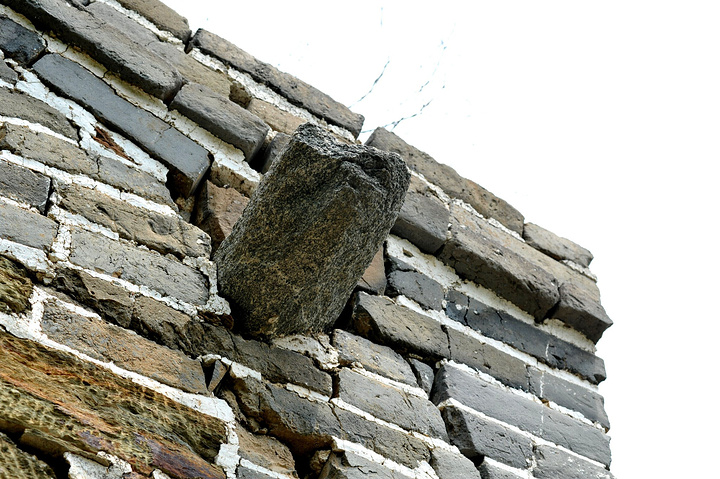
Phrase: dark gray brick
(553, 463)
(477, 437)
(162, 274)
(187, 160)
(390, 404)
(24, 185)
(347, 465)
(15, 104)
(423, 218)
(26, 227)
(383, 321)
(227, 120)
(117, 52)
(296, 91)
(161, 15)
(423, 373)
(453, 466)
(374, 357)
(555, 246)
(488, 471)
(564, 355)
(424, 290)
(19, 43)
(579, 437)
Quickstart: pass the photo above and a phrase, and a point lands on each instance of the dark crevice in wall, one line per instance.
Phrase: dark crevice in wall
(52, 458)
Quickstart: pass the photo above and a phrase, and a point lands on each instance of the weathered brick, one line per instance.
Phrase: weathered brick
(24, 185)
(383, 321)
(446, 178)
(160, 273)
(276, 118)
(15, 287)
(347, 465)
(424, 374)
(452, 466)
(65, 404)
(580, 438)
(163, 233)
(108, 342)
(423, 218)
(221, 117)
(296, 91)
(187, 160)
(7, 74)
(161, 323)
(373, 357)
(424, 290)
(132, 180)
(264, 160)
(19, 43)
(15, 104)
(264, 451)
(552, 463)
(217, 210)
(477, 437)
(390, 404)
(161, 15)
(554, 246)
(488, 471)
(26, 227)
(16, 463)
(117, 52)
(373, 279)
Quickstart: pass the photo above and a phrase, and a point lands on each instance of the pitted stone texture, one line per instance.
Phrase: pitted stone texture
(373, 357)
(373, 279)
(108, 342)
(446, 178)
(452, 466)
(15, 104)
(217, 210)
(423, 218)
(15, 287)
(19, 43)
(161, 232)
(64, 404)
(161, 15)
(162, 274)
(26, 227)
(221, 117)
(278, 119)
(424, 290)
(18, 464)
(310, 230)
(555, 246)
(187, 160)
(552, 463)
(117, 52)
(296, 91)
(24, 185)
(383, 321)
(477, 437)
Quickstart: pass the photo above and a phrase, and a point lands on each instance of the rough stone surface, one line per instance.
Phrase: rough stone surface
(276, 118)
(19, 43)
(347, 465)
(18, 464)
(446, 178)
(15, 287)
(488, 471)
(373, 357)
(393, 405)
(26, 227)
(424, 374)
(108, 342)
(383, 321)
(265, 451)
(296, 91)
(221, 117)
(109, 46)
(24, 185)
(452, 466)
(423, 218)
(65, 405)
(132, 180)
(327, 208)
(373, 279)
(477, 438)
(580, 307)
(424, 290)
(7, 74)
(217, 210)
(553, 463)
(15, 104)
(162, 274)
(270, 153)
(163, 233)
(554, 246)
(161, 15)
(187, 160)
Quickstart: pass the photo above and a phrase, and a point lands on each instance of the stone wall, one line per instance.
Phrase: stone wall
(129, 147)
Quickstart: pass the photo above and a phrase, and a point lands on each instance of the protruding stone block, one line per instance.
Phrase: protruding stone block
(555, 246)
(15, 104)
(24, 185)
(19, 43)
(309, 232)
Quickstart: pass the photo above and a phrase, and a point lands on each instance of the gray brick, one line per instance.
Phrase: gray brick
(26, 227)
(15, 104)
(424, 290)
(553, 463)
(7, 74)
(477, 437)
(132, 180)
(564, 355)
(347, 465)
(19, 43)
(423, 373)
(161, 15)
(187, 160)
(227, 120)
(423, 218)
(296, 91)
(117, 52)
(453, 466)
(383, 321)
(162, 274)
(579, 437)
(272, 152)
(24, 185)
(374, 357)
(488, 471)
(554, 246)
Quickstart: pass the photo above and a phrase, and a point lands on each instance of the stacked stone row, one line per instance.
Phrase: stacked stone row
(128, 148)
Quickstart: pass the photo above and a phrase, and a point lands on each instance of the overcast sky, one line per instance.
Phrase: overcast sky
(597, 120)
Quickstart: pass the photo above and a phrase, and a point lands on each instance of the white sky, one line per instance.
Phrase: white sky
(597, 120)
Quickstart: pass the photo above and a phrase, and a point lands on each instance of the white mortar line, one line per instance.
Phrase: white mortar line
(423, 471)
(33, 259)
(36, 127)
(162, 34)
